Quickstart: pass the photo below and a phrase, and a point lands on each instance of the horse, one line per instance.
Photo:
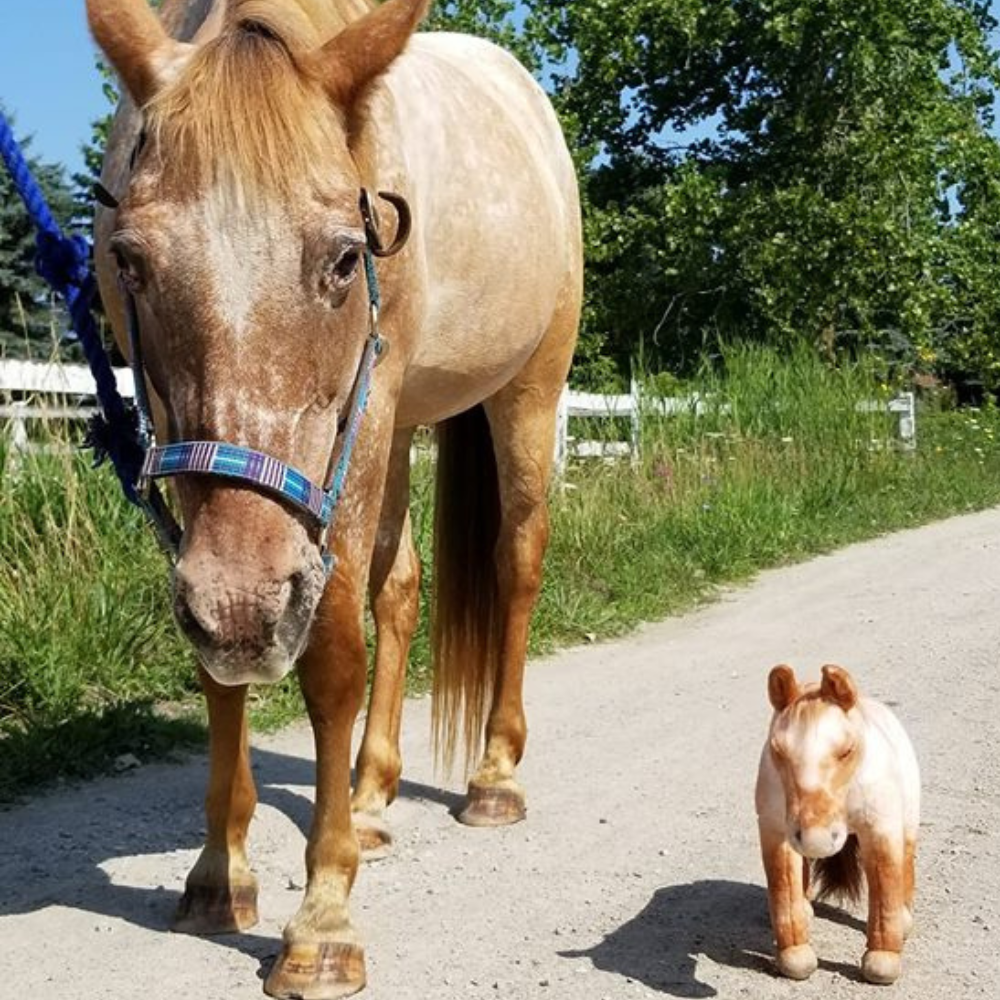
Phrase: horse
(838, 800)
(264, 172)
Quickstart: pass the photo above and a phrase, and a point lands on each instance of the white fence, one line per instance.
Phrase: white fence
(65, 392)
(54, 392)
(633, 405)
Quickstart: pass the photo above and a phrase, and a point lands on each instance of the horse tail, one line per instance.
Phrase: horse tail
(841, 874)
(465, 620)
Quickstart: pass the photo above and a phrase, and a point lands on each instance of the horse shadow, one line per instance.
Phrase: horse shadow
(60, 845)
(725, 922)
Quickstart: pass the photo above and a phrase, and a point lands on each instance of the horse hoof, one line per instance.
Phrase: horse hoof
(216, 909)
(797, 962)
(494, 805)
(374, 836)
(323, 971)
(881, 967)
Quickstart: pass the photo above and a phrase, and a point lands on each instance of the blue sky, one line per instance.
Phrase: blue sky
(47, 76)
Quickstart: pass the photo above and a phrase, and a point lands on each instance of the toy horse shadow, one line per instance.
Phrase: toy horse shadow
(726, 922)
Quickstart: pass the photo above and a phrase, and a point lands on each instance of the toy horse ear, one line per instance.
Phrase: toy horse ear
(366, 48)
(782, 687)
(838, 687)
(136, 44)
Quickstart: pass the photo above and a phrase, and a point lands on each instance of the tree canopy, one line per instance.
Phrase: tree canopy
(779, 169)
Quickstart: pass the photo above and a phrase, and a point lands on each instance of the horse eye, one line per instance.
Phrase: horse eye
(845, 752)
(345, 267)
(128, 270)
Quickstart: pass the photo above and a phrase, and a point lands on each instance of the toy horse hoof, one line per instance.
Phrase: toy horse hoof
(325, 971)
(494, 805)
(881, 967)
(374, 836)
(797, 962)
(216, 909)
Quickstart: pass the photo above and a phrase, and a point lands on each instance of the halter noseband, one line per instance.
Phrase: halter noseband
(256, 468)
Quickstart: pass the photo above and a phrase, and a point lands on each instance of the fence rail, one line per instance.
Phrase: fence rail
(634, 404)
(46, 391)
(34, 390)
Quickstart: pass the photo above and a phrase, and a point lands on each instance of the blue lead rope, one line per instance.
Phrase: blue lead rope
(64, 262)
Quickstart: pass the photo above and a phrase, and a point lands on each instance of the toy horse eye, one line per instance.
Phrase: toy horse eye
(845, 752)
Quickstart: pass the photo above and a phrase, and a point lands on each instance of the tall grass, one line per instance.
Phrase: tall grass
(85, 635)
(780, 465)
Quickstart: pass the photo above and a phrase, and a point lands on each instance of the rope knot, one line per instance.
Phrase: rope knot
(115, 439)
(63, 261)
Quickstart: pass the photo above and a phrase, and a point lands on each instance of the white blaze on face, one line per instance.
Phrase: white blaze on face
(252, 256)
(247, 249)
(813, 744)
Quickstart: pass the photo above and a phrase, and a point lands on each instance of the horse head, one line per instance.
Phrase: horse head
(241, 241)
(816, 742)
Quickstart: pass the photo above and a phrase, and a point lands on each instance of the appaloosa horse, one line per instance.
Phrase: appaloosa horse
(236, 263)
(838, 797)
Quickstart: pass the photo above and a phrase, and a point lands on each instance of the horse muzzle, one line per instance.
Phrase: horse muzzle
(246, 631)
(818, 841)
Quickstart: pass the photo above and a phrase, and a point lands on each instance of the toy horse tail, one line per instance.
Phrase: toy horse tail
(465, 620)
(841, 874)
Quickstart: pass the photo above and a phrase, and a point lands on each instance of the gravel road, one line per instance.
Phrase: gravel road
(636, 874)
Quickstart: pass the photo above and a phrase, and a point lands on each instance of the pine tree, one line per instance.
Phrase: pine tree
(30, 322)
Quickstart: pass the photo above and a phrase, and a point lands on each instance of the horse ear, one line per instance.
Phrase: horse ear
(838, 687)
(136, 44)
(782, 687)
(365, 49)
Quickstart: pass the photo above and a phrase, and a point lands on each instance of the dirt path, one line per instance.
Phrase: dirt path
(636, 874)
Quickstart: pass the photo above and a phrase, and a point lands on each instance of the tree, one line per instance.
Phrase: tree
(29, 323)
(773, 169)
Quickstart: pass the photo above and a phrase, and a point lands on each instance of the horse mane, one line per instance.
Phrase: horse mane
(249, 99)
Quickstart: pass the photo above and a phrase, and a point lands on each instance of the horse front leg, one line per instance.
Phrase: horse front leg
(889, 884)
(790, 910)
(322, 957)
(394, 593)
(220, 895)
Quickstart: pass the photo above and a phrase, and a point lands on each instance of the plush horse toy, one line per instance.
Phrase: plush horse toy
(838, 802)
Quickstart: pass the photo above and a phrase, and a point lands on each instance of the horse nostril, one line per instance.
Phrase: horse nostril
(190, 625)
(187, 620)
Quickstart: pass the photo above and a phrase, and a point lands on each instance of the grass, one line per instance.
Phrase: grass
(780, 467)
